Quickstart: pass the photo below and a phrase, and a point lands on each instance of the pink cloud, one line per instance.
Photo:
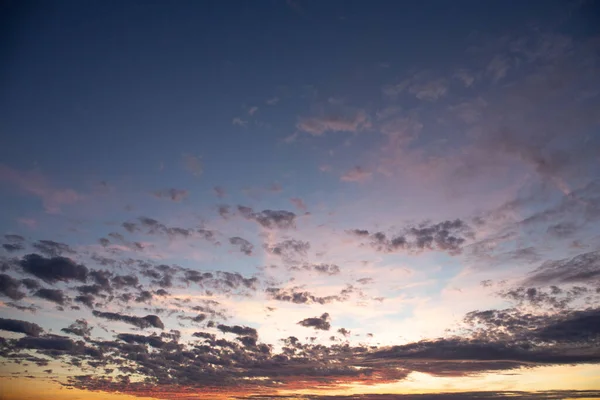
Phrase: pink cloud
(28, 222)
(356, 174)
(34, 183)
(339, 122)
(298, 203)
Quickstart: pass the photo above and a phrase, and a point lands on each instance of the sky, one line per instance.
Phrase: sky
(300, 200)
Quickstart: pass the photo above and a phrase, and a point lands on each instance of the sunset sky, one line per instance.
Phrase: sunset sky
(301, 199)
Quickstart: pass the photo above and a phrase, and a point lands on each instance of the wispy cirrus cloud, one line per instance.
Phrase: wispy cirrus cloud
(34, 183)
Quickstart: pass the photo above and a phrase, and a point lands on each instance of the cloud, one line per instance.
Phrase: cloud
(298, 296)
(14, 238)
(36, 184)
(318, 323)
(15, 325)
(51, 248)
(153, 341)
(583, 268)
(554, 297)
(430, 91)
(448, 236)
(239, 122)
(12, 247)
(79, 328)
(252, 110)
(245, 246)
(290, 250)
(344, 120)
(173, 194)
(193, 164)
(10, 287)
(270, 219)
(53, 269)
(272, 101)
(356, 174)
(54, 295)
(498, 67)
(49, 342)
(298, 203)
(466, 77)
(219, 192)
(144, 322)
(238, 330)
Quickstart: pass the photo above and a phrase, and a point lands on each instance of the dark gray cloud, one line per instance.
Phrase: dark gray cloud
(85, 299)
(204, 335)
(512, 327)
(141, 322)
(299, 296)
(319, 323)
(291, 251)
(12, 247)
(54, 295)
(238, 330)
(30, 284)
(15, 325)
(50, 248)
(344, 332)
(270, 219)
(171, 194)
(553, 297)
(153, 341)
(447, 236)
(245, 246)
(122, 281)
(53, 269)
(48, 342)
(327, 269)
(150, 226)
(10, 287)
(584, 268)
(14, 238)
(79, 328)
(475, 395)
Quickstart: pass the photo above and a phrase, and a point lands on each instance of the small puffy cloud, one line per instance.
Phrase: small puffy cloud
(50, 248)
(238, 330)
(252, 110)
(245, 246)
(448, 236)
(37, 185)
(219, 192)
(193, 164)
(141, 322)
(79, 328)
(10, 287)
(431, 90)
(15, 325)
(465, 76)
(290, 250)
(12, 247)
(270, 219)
(356, 174)
(318, 323)
(272, 101)
(298, 203)
(239, 122)
(54, 269)
(54, 295)
(171, 194)
(498, 67)
(344, 121)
